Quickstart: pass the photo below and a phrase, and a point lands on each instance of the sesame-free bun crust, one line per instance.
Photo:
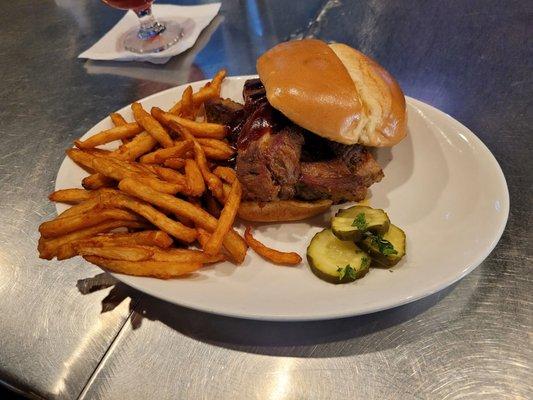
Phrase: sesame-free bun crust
(307, 82)
(382, 97)
(334, 91)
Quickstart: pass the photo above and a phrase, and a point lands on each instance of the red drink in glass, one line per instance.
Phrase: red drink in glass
(152, 36)
(129, 4)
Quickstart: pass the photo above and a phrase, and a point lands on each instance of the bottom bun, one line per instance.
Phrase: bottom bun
(283, 210)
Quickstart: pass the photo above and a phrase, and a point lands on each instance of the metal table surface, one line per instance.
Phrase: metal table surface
(68, 331)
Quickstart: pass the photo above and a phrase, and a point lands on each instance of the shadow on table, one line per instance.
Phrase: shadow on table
(315, 339)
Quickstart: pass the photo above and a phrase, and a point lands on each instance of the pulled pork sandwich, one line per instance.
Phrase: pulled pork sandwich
(303, 133)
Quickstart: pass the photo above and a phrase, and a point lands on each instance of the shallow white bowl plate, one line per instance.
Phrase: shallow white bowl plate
(441, 185)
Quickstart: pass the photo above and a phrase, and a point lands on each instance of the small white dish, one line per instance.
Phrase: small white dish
(442, 186)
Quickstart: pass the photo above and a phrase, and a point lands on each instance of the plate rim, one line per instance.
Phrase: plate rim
(429, 290)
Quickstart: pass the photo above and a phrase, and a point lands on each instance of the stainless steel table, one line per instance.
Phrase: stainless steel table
(68, 331)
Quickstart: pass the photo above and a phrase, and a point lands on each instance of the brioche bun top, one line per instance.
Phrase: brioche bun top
(334, 91)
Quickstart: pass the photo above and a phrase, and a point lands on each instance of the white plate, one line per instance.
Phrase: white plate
(441, 185)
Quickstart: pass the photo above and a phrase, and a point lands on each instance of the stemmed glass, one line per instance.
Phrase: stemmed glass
(152, 36)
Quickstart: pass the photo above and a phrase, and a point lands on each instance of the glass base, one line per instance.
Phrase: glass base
(171, 34)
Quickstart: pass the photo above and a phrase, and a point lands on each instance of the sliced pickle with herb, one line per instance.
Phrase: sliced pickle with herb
(387, 249)
(335, 260)
(353, 222)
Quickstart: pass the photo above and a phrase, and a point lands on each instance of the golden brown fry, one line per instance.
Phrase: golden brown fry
(152, 126)
(198, 129)
(215, 143)
(195, 181)
(117, 119)
(227, 174)
(213, 182)
(138, 146)
(64, 225)
(174, 163)
(233, 242)
(146, 238)
(156, 269)
(204, 94)
(203, 236)
(159, 156)
(185, 255)
(129, 253)
(82, 207)
(70, 196)
(118, 132)
(225, 222)
(173, 228)
(83, 158)
(187, 104)
(118, 170)
(99, 152)
(217, 154)
(48, 247)
(216, 83)
(225, 193)
(96, 181)
(169, 175)
(275, 256)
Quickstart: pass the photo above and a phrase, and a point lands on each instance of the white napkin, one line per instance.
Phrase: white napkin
(109, 48)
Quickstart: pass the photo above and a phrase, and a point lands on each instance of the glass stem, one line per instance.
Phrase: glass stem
(149, 25)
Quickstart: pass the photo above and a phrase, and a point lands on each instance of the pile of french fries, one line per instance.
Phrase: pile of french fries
(164, 187)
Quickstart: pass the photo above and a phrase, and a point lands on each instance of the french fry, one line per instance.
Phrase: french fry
(169, 174)
(156, 269)
(64, 225)
(152, 126)
(99, 152)
(204, 94)
(82, 207)
(159, 156)
(215, 143)
(147, 238)
(173, 228)
(194, 178)
(48, 247)
(217, 154)
(216, 82)
(82, 158)
(115, 252)
(174, 163)
(275, 256)
(185, 255)
(233, 242)
(70, 196)
(213, 182)
(198, 129)
(116, 133)
(96, 181)
(225, 222)
(187, 104)
(144, 253)
(117, 119)
(118, 170)
(203, 236)
(225, 192)
(227, 174)
(138, 146)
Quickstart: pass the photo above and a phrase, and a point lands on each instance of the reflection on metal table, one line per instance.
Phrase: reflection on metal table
(70, 331)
